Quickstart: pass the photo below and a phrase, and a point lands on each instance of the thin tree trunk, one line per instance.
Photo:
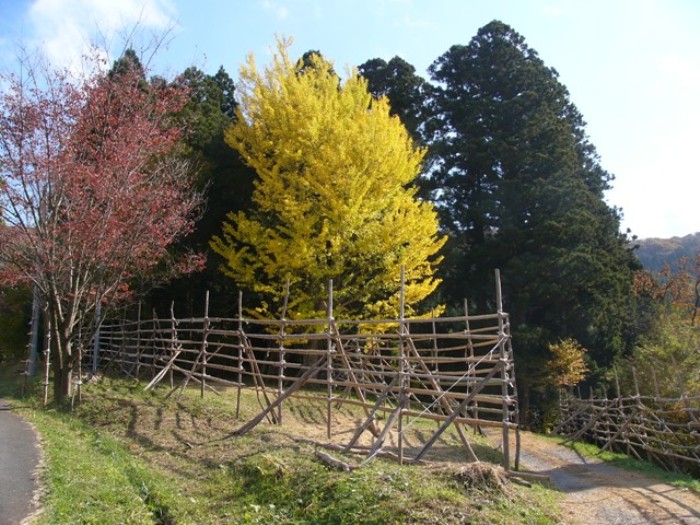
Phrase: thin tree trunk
(63, 358)
(62, 381)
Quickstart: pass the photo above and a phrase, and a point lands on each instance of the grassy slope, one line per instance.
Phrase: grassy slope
(129, 457)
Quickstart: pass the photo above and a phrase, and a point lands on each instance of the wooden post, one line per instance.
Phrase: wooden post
(469, 352)
(436, 365)
(518, 446)
(80, 373)
(280, 369)
(402, 360)
(434, 348)
(329, 361)
(96, 339)
(47, 358)
(470, 344)
(138, 341)
(173, 338)
(505, 368)
(240, 353)
(155, 328)
(77, 389)
(205, 333)
(516, 412)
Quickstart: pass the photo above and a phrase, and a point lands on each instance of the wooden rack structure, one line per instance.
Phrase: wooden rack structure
(664, 431)
(452, 370)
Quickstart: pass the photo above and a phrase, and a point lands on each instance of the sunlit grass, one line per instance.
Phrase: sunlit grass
(91, 478)
(128, 456)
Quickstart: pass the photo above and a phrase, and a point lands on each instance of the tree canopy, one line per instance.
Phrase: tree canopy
(666, 360)
(409, 94)
(333, 198)
(92, 194)
(310, 177)
(519, 187)
(223, 178)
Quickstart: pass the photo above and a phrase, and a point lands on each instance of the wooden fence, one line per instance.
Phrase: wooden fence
(457, 371)
(664, 431)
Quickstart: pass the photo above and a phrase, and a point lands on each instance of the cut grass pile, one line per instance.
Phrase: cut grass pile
(126, 456)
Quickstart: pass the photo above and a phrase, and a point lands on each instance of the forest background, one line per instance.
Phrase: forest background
(517, 186)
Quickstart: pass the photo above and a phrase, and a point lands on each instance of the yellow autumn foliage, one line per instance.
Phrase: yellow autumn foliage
(333, 199)
(567, 366)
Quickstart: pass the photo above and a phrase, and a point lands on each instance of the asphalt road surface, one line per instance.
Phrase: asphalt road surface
(19, 457)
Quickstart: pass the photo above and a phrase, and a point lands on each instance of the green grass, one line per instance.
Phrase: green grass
(629, 463)
(125, 456)
(91, 478)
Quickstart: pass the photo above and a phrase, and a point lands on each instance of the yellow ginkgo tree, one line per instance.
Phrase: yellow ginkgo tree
(334, 197)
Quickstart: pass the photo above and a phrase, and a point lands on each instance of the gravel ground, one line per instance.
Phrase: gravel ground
(597, 493)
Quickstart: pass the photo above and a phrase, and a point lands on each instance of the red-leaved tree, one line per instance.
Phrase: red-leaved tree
(93, 192)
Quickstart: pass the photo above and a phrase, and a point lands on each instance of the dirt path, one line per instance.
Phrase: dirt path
(596, 493)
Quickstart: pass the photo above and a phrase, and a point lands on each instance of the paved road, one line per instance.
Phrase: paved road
(19, 457)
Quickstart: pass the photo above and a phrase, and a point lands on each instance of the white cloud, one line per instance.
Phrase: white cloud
(656, 184)
(64, 29)
(276, 8)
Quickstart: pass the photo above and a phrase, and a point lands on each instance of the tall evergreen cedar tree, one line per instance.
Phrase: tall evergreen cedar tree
(92, 194)
(519, 187)
(409, 94)
(333, 198)
(226, 182)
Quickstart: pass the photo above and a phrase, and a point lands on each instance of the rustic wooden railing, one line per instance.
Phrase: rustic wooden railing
(664, 431)
(457, 371)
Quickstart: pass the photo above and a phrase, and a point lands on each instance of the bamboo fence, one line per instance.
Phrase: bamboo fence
(457, 371)
(664, 431)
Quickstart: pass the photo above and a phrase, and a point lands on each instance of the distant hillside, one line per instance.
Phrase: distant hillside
(654, 253)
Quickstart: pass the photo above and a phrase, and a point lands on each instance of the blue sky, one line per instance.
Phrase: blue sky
(632, 67)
